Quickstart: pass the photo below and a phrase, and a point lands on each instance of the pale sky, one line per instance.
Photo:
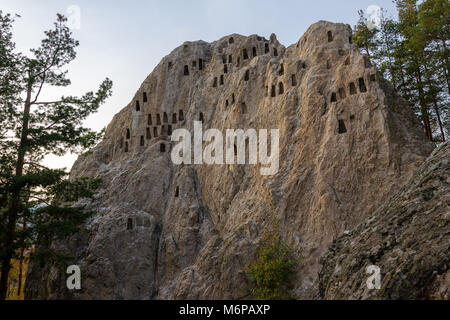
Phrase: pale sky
(125, 40)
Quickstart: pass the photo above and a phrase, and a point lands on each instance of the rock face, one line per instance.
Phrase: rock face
(166, 231)
(408, 238)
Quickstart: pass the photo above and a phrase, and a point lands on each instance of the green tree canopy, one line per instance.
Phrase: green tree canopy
(36, 201)
(412, 52)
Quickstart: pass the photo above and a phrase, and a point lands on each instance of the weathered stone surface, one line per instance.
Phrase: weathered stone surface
(193, 246)
(408, 238)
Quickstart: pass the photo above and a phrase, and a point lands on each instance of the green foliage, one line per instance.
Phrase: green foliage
(363, 36)
(37, 204)
(271, 270)
(412, 52)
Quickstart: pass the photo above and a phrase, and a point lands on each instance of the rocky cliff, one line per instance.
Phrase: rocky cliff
(407, 238)
(163, 231)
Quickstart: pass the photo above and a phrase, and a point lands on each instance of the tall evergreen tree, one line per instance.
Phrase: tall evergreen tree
(412, 52)
(365, 36)
(36, 201)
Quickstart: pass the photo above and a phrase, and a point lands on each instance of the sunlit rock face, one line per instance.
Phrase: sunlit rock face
(165, 231)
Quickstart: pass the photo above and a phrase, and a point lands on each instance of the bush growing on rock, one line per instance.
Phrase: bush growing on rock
(272, 268)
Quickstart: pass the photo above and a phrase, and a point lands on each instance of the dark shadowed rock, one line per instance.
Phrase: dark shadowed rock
(408, 238)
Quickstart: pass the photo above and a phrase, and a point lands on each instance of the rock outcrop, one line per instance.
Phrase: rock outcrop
(164, 231)
(407, 238)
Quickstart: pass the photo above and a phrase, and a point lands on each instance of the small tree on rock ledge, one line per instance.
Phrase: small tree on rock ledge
(272, 268)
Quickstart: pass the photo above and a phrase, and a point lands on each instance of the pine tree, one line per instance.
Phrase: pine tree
(363, 36)
(434, 31)
(36, 202)
(412, 52)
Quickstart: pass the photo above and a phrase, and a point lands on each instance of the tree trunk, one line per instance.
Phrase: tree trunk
(435, 104)
(423, 106)
(21, 258)
(19, 289)
(447, 67)
(15, 199)
(436, 109)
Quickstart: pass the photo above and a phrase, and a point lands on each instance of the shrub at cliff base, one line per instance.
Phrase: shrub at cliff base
(272, 268)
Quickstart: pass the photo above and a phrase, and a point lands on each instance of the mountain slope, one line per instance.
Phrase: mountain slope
(165, 231)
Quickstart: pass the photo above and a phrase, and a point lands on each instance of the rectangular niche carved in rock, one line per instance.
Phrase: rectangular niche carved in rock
(144, 97)
(330, 36)
(130, 224)
(158, 119)
(294, 80)
(281, 72)
(266, 47)
(342, 128)
(155, 132)
(245, 54)
(352, 88)
(148, 134)
(142, 141)
(149, 119)
(181, 116)
(186, 70)
(254, 52)
(333, 97)
(138, 107)
(247, 75)
(280, 88)
(362, 85)
(174, 118)
(165, 118)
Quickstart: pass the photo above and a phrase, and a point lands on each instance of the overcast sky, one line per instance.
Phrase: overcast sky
(125, 39)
